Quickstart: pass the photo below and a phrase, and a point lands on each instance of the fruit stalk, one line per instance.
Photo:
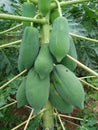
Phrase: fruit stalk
(12, 28)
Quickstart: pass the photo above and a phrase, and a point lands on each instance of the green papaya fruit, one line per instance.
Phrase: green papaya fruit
(44, 6)
(28, 10)
(29, 48)
(68, 86)
(59, 38)
(58, 101)
(37, 90)
(54, 14)
(72, 52)
(43, 63)
(21, 94)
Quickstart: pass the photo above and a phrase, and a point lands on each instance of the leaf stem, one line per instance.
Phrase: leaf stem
(83, 66)
(59, 8)
(13, 28)
(67, 3)
(9, 44)
(8, 105)
(15, 128)
(14, 102)
(63, 128)
(84, 38)
(63, 3)
(29, 119)
(86, 77)
(4, 85)
(72, 117)
(21, 18)
(88, 84)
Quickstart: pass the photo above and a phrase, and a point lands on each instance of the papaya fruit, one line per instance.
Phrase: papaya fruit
(44, 6)
(28, 10)
(37, 90)
(21, 94)
(58, 102)
(29, 48)
(59, 38)
(54, 14)
(43, 63)
(72, 52)
(68, 86)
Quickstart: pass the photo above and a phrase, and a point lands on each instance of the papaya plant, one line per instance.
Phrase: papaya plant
(46, 58)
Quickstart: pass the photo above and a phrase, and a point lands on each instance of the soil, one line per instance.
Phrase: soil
(71, 124)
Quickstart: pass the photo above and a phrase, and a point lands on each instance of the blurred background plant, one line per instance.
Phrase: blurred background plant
(83, 21)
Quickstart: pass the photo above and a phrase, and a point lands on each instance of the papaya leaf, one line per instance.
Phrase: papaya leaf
(5, 63)
(8, 65)
(11, 89)
(87, 54)
(75, 25)
(2, 99)
(8, 5)
(76, 28)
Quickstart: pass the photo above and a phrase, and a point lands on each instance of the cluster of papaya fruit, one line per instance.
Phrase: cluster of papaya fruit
(50, 72)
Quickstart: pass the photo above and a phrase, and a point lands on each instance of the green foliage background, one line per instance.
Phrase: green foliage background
(83, 20)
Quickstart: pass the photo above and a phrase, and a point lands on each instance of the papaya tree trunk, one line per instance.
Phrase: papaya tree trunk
(48, 120)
